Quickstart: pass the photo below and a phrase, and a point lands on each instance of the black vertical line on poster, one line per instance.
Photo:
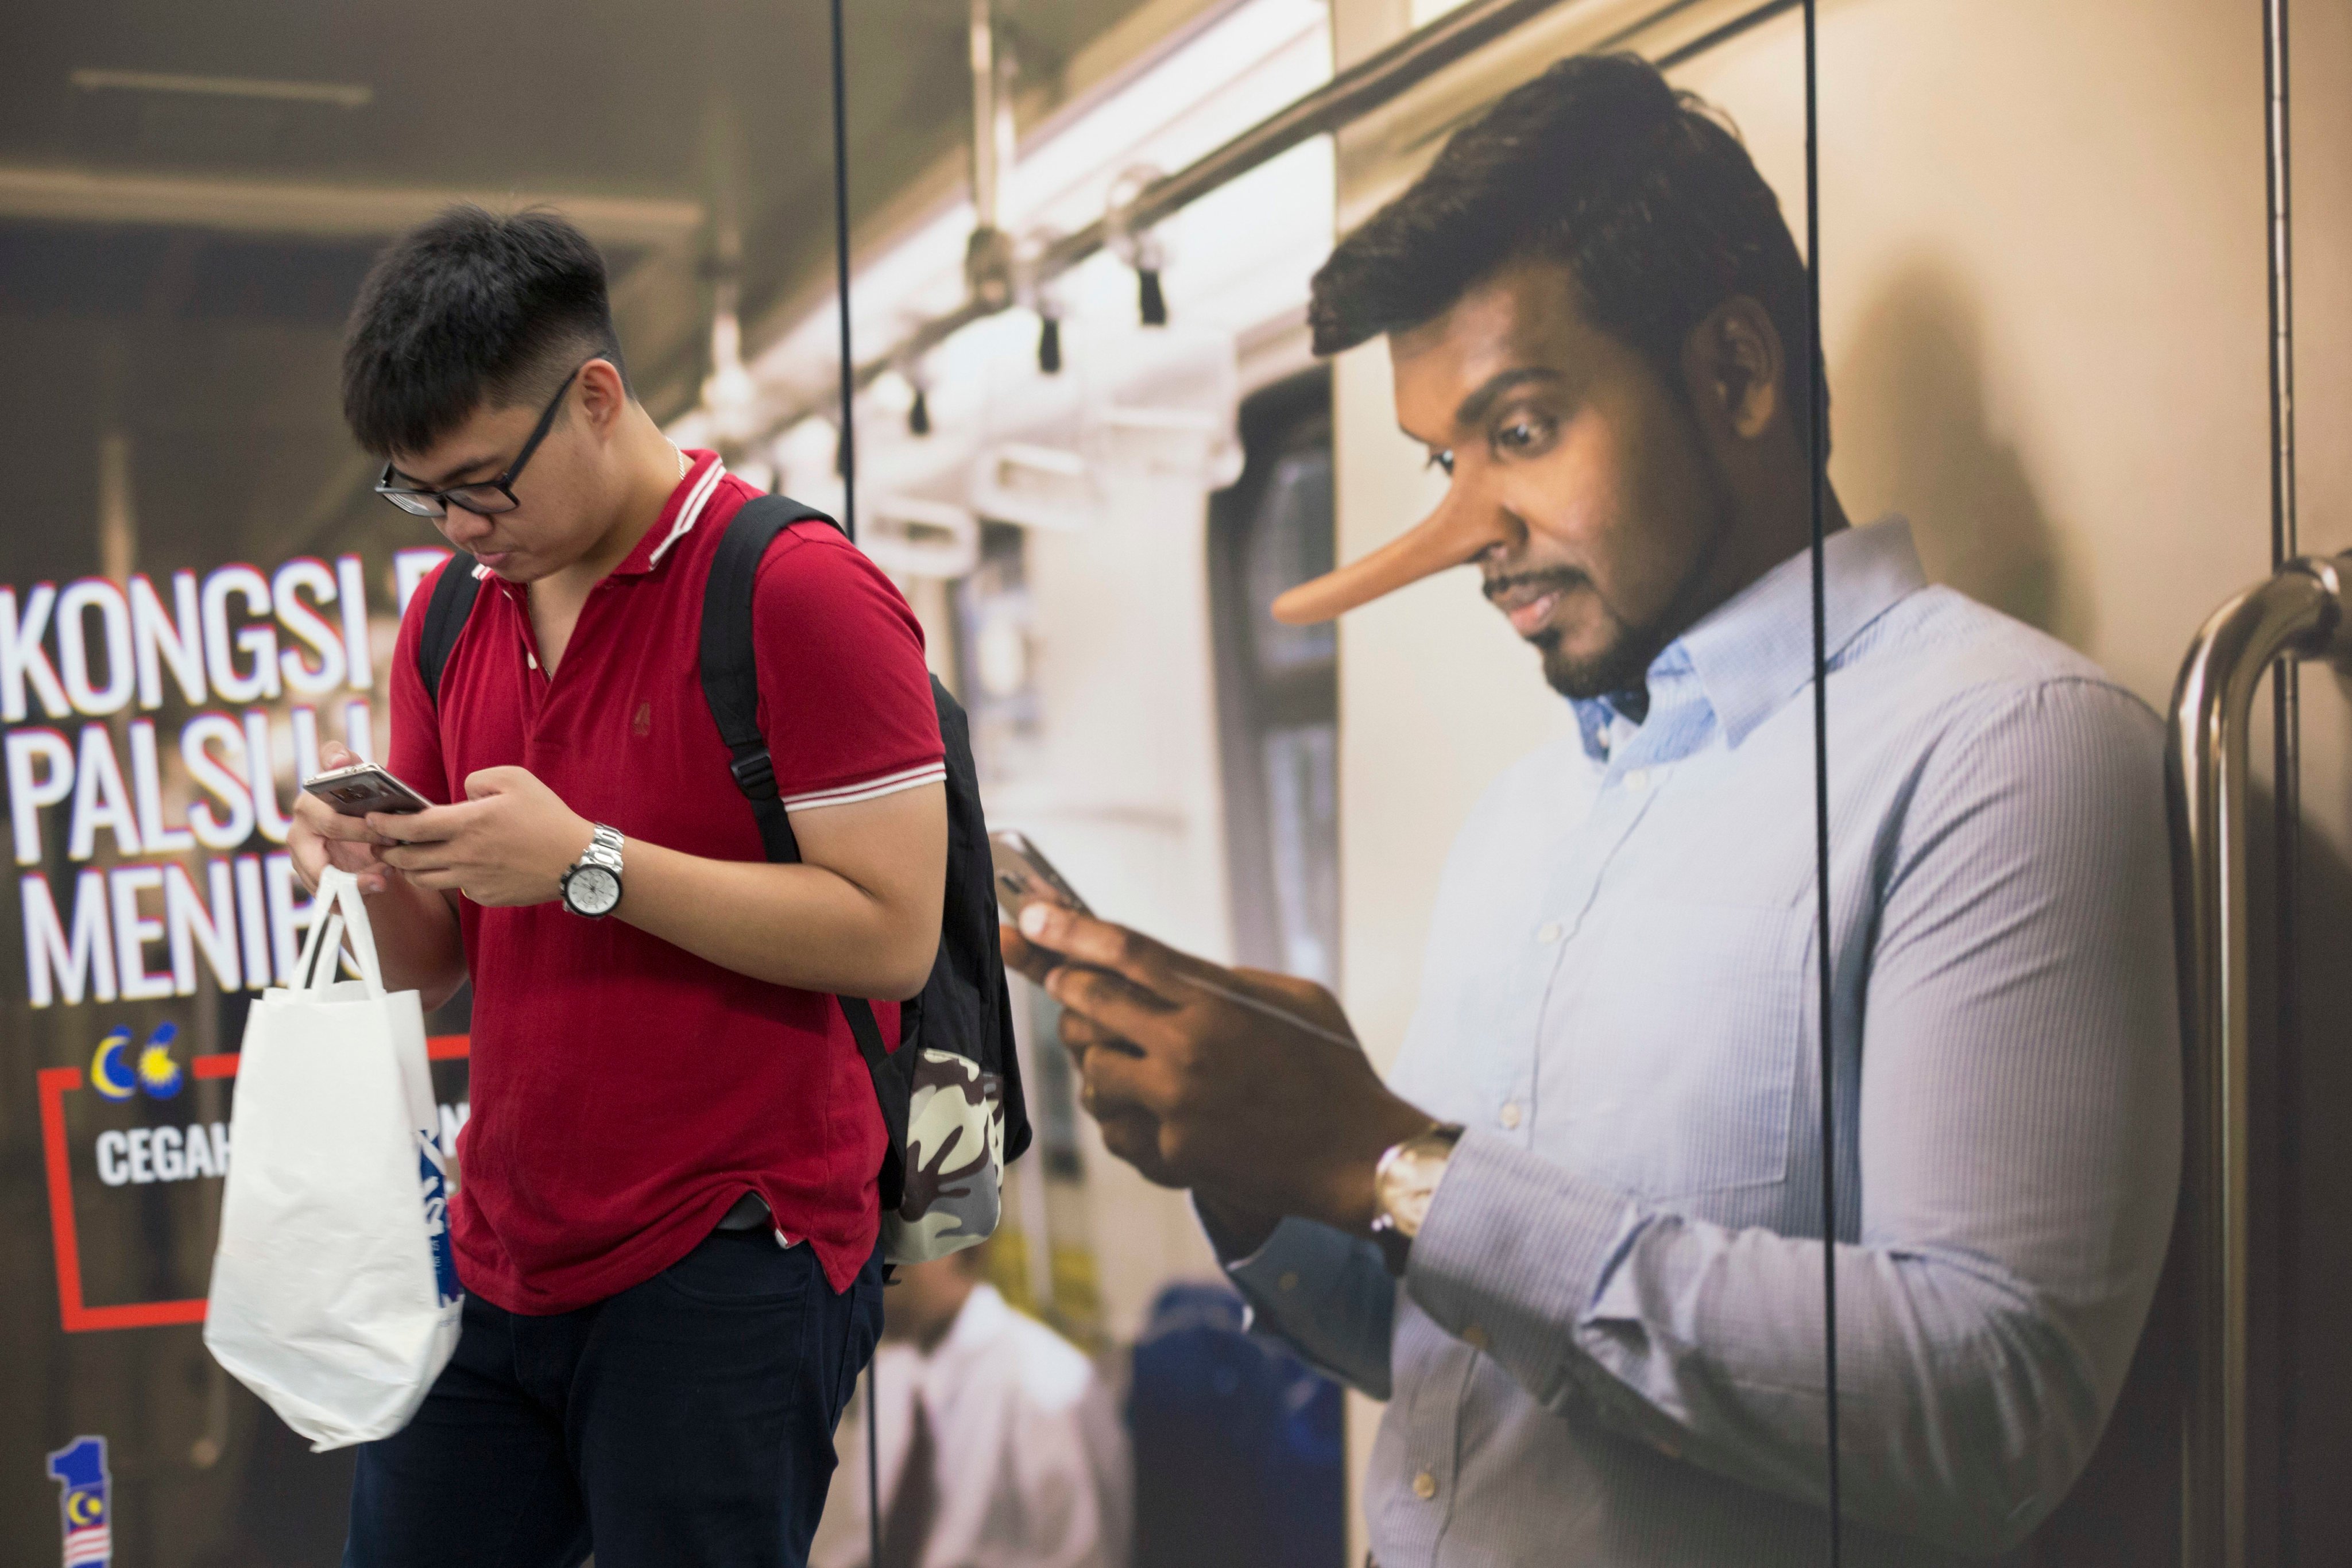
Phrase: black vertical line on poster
(873, 1468)
(848, 462)
(2287, 761)
(841, 279)
(1816, 426)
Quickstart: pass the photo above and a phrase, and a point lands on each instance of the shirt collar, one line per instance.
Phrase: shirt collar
(979, 1322)
(687, 501)
(1755, 651)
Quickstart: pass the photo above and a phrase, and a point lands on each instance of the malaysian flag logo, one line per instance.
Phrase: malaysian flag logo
(84, 1511)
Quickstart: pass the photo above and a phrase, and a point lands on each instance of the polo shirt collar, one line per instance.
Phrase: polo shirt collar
(1755, 651)
(686, 505)
(687, 501)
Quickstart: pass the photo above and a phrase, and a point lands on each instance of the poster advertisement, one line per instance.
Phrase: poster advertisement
(153, 727)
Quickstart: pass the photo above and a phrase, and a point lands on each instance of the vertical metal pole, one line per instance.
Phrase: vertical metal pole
(2286, 758)
(1816, 461)
(987, 151)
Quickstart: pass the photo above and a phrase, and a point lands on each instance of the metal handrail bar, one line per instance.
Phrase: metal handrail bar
(2301, 613)
(1372, 82)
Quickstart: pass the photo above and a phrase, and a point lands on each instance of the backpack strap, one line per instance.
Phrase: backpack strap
(731, 684)
(445, 618)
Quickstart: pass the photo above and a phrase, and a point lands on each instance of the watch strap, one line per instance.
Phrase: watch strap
(605, 845)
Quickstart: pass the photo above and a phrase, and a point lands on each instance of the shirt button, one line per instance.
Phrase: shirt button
(1287, 1282)
(1510, 1114)
(1637, 779)
(1475, 1337)
(531, 659)
(1424, 1486)
(1548, 932)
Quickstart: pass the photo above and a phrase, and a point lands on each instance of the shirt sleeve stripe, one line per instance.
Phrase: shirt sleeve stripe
(871, 790)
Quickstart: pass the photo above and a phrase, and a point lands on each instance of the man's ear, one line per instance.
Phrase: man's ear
(1734, 362)
(602, 394)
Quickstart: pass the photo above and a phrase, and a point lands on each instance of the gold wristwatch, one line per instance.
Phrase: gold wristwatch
(1403, 1183)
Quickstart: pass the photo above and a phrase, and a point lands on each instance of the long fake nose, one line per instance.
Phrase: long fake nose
(1454, 535)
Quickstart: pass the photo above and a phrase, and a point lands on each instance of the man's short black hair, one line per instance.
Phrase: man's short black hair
(1649, 200)
(470, 309)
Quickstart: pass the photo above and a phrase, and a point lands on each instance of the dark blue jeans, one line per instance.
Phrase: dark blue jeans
(686, 1421)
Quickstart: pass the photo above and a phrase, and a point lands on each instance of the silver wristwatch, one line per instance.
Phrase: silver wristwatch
(1403, 1183)
(592, 885)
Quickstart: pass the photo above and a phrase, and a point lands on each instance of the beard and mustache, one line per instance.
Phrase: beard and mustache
(1622, 663)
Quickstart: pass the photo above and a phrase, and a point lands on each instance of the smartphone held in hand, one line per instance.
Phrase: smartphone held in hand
(363, 788)
(1024, 876)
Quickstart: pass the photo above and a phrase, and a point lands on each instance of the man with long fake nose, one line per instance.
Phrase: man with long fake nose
(1575, 1238)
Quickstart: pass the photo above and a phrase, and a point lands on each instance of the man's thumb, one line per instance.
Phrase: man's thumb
(487, 782)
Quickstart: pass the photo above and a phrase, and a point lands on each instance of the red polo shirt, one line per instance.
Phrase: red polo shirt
(625, 1091)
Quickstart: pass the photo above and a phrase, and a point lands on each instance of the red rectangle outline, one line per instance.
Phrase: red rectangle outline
(54, 1083)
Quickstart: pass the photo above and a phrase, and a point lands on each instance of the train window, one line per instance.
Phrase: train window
(992, 653)
(1277, 685)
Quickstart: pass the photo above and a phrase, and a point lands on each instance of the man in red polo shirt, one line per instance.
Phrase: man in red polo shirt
(667, 1216)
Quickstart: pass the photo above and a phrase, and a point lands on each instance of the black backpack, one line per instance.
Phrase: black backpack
(950, 1094)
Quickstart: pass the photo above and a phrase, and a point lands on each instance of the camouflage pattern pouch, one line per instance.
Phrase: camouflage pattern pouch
(954, 1161)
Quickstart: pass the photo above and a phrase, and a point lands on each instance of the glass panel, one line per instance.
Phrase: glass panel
(1526, 850)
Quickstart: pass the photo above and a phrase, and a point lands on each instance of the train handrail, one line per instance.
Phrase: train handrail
(2300, 613)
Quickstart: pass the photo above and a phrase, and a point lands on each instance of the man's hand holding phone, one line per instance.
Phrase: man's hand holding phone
(320, 836)
(1244, 1085)
(507, 843)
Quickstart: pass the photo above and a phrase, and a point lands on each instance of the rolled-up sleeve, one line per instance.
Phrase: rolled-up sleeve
(2016, 1134)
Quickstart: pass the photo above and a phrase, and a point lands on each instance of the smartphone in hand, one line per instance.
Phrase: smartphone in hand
(1024, 876)
(363, 788)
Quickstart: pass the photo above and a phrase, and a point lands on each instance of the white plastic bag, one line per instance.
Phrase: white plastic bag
(334, 1294)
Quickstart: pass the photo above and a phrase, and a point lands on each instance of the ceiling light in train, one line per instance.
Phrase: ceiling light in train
(337, 94)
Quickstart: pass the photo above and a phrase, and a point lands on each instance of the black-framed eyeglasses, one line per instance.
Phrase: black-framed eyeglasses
(490, 496)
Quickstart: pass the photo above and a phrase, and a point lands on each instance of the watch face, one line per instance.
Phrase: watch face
(591, 890)
(1408, 1175)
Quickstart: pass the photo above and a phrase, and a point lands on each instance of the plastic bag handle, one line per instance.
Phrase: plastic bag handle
(338, 911)
(322, 905)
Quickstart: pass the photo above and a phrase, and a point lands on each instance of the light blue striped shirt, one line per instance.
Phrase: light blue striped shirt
(1607, 1348)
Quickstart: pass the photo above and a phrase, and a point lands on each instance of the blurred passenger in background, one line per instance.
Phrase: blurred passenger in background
(1575, 1239)
(1239, 1449)
(1001, 1447)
